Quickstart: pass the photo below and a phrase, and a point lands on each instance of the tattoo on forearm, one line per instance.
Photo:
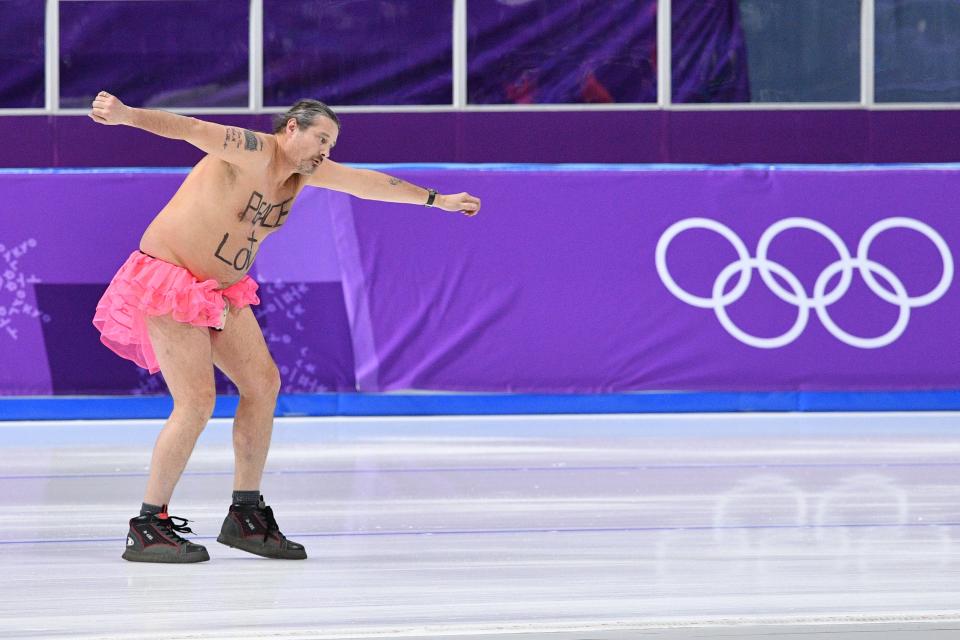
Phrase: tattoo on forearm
(246, 140)
(396, 181)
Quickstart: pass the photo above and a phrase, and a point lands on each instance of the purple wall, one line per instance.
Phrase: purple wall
(570, 280)
(70, 232)
(711, 137)
(558, 285)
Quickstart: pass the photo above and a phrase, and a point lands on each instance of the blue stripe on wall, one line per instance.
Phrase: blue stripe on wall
(529, 167)
(146, 407)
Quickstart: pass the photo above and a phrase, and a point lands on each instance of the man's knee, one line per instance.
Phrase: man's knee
(196, 406)
(262, 383)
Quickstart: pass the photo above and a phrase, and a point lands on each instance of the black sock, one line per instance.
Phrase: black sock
(147, 509)
(246, 498)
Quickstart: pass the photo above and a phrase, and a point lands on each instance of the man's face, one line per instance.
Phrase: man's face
(313, 144)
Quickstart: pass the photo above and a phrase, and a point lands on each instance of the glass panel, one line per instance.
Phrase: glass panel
(21, 54)
(917, 51)
(162, 53)
(550, 52)
(766, 51)
(358, 52)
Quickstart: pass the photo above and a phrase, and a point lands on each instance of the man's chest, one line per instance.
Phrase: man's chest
(264, 209)
(251, 214)
(247, 199)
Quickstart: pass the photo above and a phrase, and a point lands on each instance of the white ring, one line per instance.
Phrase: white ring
(856, 341)
(907, 223)
(712, 225)
(803, 223)
(803, 310)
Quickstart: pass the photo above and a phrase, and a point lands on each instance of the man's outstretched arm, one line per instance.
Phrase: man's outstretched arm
(235, 145)
(374, 185)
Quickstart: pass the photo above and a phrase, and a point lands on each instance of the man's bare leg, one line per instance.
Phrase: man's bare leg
(241, 353)
(185, 357)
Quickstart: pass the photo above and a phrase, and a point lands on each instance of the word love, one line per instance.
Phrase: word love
(262, 211)
(244, 256)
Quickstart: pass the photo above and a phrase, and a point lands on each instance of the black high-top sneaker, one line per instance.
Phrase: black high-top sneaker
(254, 530)
(154, 538)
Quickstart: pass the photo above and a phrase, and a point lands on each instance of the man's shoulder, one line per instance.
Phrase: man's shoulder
(228, 167)
(219, 173)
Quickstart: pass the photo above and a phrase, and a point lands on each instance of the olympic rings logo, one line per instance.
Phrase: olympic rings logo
(895, 293)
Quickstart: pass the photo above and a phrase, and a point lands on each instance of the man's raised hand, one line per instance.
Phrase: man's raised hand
(107, 109)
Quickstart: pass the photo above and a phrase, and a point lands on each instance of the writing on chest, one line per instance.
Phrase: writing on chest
(265, 214)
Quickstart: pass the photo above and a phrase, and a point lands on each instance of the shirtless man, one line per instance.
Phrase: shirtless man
(180, 304)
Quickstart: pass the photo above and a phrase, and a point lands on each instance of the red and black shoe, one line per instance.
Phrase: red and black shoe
(254, 530)
(155, 538)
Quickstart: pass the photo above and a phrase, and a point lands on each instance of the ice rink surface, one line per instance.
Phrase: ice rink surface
(833, 526)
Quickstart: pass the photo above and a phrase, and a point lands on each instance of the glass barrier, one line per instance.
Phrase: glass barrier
(766, 51)
(21, 54)
(149, 55)
(917, 51)
(549, 52)
(358, 52)
(195, 53)
(709, 57)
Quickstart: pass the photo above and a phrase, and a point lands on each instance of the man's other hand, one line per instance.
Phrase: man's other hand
(462, 202)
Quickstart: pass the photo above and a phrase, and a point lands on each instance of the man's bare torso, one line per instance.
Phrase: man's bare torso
(215, 223)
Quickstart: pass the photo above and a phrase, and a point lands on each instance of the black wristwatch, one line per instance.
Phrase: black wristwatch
(431, 196)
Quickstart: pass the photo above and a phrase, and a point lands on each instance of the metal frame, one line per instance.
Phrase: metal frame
(459, 53)
(459, 102)
(868, 25)
(51, 48)
(664, 63)
(256, 56)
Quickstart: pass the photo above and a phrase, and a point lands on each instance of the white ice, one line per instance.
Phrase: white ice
(664, 526)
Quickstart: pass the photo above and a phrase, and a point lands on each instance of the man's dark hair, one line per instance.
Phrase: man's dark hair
(304, 112)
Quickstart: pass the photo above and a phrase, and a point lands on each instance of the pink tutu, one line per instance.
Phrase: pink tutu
(146, 286)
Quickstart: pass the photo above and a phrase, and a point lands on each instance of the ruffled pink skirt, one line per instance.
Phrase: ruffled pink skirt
(146, 286)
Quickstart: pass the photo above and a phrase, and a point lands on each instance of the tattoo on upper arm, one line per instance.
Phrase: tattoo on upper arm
(396, 181)
(248, 141)
(251, 142)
